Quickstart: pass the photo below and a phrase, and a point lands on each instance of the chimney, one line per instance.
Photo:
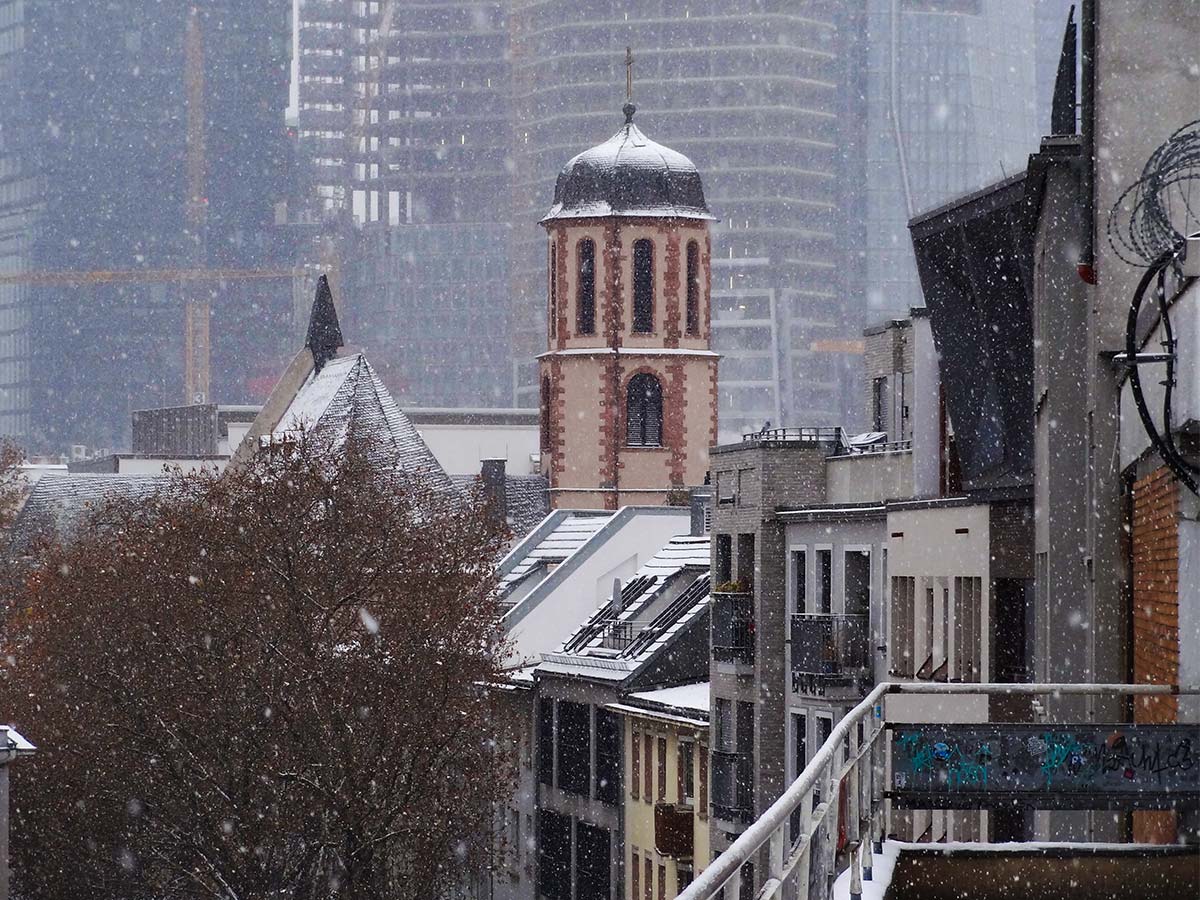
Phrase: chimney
(495, 492)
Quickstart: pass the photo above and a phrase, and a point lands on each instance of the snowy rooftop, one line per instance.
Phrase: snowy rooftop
(527, 499)
(629, 175)
(346, 394)
(554, 549)
(58, 502)
(688, 697)
(668, 593)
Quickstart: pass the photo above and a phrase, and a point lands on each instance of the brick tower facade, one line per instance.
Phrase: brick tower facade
(628, 382)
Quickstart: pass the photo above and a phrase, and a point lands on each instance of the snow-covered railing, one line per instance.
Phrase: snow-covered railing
(801, 865)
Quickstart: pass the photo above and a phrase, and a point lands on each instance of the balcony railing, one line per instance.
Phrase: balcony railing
(733, 627)
(854, 756)
(732, 786)
(829, 646)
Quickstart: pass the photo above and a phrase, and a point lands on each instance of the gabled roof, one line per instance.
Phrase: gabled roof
(527, 499)
(346, 394)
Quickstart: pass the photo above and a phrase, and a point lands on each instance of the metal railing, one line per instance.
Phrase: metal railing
(733, 627)
(827, 645)
(808, 434)
(853, 756)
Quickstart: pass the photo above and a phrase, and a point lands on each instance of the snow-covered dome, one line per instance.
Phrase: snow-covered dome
(629, 175)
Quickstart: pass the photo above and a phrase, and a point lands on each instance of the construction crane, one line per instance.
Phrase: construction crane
(197, 310)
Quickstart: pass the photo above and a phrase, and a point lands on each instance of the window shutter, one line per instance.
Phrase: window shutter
(636, 773)
(703, 782)
(648, 746)
(662, 768)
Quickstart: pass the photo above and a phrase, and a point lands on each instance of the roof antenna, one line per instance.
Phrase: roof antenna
(629, 109)
(324, 334)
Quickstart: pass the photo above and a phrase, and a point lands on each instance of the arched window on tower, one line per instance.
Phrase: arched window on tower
(643, 411)
(643, 286)
(545, 416)
(585, 300)
(693, 288)
(552, 312)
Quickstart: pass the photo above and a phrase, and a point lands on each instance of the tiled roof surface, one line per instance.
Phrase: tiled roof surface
(346, 393)
(58, 502)
(528, 500)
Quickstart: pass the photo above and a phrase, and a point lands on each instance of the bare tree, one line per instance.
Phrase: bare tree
(264, 684)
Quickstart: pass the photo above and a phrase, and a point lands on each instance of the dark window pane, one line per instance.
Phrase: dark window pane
(545, 742)
(608, 757)
(693, 288)
(574, 747)
(592, 862)
(586, 300)
(554, 855)
(643, 286)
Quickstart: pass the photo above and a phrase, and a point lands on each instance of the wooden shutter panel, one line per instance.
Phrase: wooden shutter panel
(636, 763)
(680, 765)
(703, 786)
(662, 768)
(648, 745)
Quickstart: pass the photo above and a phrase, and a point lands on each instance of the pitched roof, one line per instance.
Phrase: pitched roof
(57, 503)
(527, 500)
(668, 593)
(346, 394)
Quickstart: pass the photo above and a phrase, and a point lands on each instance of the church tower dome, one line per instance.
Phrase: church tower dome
(628, 380)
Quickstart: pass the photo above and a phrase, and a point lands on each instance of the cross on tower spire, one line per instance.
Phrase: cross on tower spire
(629, 109)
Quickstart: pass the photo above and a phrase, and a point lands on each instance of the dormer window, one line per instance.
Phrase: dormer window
(585, 298)
(643, 286)
(643, 411)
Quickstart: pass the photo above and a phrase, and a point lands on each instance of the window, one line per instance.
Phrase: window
(687, 773)
(662, 880)
(724, 729)
(857, 589)
(553, 311)
(800, 579)
(649, 878)
(574, 747)
(545, 416)
(592, 868)
(608, 756)
(545, 742)
(799, 743)
(693, 288)
(825, 581)
(879, 404)
(703, 810)
(643, 411)
(585, 298)
(643, 286)
(554, 855)
(635, 875)
(824, 730)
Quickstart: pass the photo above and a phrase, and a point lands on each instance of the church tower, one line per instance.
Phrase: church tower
(629, 381)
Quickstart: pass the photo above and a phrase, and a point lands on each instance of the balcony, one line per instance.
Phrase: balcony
(732, 785)
(829, 647)
(733, 627)
(673, 830)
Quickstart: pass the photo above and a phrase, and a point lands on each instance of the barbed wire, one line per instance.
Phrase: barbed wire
(1156, 213)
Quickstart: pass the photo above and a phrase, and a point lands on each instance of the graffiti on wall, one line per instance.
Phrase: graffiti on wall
(965, 765)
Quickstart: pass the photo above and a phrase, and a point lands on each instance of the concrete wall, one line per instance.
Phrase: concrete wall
(867, 477)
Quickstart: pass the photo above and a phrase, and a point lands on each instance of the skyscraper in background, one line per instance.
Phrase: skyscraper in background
(957, 95)
(405, 135)
(93, 153)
